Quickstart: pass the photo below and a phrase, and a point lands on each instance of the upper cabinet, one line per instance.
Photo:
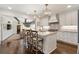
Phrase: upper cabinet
(69, 18)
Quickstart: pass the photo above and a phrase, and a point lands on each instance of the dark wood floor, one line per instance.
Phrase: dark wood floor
(65, 48)
(62, 48)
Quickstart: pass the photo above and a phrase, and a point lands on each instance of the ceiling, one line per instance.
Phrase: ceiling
(29, 8)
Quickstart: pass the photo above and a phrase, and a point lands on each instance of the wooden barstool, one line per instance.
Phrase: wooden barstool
(29, 40)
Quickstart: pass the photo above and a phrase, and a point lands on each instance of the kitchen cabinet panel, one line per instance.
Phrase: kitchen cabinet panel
(69, 18)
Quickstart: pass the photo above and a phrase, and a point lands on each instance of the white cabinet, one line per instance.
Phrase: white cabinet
(70, 37)
(72, 18)
(49, 41)
(68, 34)
(69, 18)
(6, 33)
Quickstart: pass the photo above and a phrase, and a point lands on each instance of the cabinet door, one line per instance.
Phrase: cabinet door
(50, 44)
(72, 18)
(62, 19)
(69, 18)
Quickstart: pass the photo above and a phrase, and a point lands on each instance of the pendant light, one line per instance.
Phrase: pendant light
(47, 11)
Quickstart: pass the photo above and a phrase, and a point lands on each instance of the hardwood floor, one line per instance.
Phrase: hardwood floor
(16, 47)
(62, 48)
(10, 45)
(65, 48)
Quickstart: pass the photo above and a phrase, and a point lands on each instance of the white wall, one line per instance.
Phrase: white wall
(5, 16)
(6, 33)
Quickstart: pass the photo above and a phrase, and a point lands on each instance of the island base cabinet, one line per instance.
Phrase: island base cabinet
(49, 44)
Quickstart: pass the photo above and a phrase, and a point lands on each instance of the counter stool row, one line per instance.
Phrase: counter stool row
(34, 42)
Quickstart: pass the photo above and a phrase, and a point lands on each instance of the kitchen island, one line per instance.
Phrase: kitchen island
(49, 41)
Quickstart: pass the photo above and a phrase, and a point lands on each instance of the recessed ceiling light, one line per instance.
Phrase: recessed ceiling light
(69, 6)
(9, 8)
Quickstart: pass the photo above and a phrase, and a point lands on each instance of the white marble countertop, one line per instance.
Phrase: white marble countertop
(46, 33)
